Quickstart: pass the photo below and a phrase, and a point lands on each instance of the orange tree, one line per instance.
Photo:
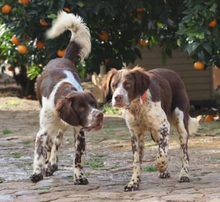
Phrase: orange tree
(116, 26)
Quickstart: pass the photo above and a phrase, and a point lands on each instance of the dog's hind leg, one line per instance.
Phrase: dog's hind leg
(183, 137)
(79, 147)
(52, 164)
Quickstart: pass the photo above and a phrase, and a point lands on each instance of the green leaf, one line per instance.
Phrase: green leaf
(138, 53)
(200, 35)
(208, 48)
(80, 4)
(195, 45)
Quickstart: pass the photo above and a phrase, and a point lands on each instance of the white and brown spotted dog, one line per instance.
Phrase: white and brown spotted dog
(63, 102)
(151, 101)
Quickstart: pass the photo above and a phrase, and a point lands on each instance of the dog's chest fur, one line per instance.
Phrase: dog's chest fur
(146, 116)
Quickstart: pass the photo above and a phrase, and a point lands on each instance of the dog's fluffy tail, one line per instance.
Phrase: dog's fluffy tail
(193, 125)
(80, 42)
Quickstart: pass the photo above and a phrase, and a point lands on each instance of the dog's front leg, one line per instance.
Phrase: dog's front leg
(137, 143)
(162, 160)
(40, 155)
(52, 164)
(79, 146)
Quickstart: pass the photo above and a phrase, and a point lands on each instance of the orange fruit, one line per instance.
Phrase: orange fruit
(67, 9)
(143, 42)
(43, 23)
(24, 2)
(140, 9)
(199, 65)
(40, 44)
(61, 53)
(139, 15)
(213, 23)
(103, 35)
(106, 60)
(15, 40)
(209, 118)
(22, 49)
(10, 68)
(6, 9)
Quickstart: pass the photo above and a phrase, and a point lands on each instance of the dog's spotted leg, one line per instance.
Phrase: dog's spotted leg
(79, 146)
(49, 144)
(39, 156)
(137, 143)
(183, 136)
(52, 164)
(162, 160)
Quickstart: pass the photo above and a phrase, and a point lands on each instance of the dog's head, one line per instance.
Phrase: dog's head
(125, 85)
(80, 109)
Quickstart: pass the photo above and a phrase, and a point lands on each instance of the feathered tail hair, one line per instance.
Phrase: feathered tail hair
(80, 42)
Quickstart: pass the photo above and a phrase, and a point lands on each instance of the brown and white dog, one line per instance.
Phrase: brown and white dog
(151, 101)
(64, 103)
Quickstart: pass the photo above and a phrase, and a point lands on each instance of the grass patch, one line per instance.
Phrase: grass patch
(44, 188)
(26, 142)
(17, 155)
(13, 103)
(97, 162)
(70, 176)
(149, 168)
(110, 110)
(149, 145)
(2, 180)
(214, 160)
(114, 167)
(6, 131)
(108, 130)
(87, 174)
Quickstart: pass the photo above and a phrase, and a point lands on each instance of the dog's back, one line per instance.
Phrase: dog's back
(79, 45)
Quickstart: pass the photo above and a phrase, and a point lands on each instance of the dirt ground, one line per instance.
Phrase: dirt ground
(108, 163)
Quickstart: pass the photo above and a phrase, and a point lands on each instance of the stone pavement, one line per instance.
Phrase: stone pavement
(108, 163)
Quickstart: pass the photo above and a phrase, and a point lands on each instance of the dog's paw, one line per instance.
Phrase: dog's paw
(184, 179)
(133, 187)
(51, 169)
(81, 181)
(164, 175)
(36, 177)
(162, 163)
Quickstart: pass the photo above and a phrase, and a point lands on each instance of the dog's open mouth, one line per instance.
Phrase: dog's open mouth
(98, 126)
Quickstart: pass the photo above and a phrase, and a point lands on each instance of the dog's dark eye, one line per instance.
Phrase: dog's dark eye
(127, 85)
(93, 104)
(113, 86)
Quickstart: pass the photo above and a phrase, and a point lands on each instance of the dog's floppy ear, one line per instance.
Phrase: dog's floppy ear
(66, 112)
(142, 80)
(106, 81)
(92, 96)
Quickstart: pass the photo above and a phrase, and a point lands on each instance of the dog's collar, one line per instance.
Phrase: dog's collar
(144, 96)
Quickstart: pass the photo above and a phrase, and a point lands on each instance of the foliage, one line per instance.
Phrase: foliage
(149, 168)
(201, 42)
(107, 109)
(6, 131)
(170, 24)
(96, 162)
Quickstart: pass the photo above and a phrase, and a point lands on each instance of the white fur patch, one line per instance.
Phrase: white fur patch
(71, 79)
(120, 90)
(80, 32)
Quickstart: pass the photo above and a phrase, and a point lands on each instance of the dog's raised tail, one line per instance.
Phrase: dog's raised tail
(80, 42)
